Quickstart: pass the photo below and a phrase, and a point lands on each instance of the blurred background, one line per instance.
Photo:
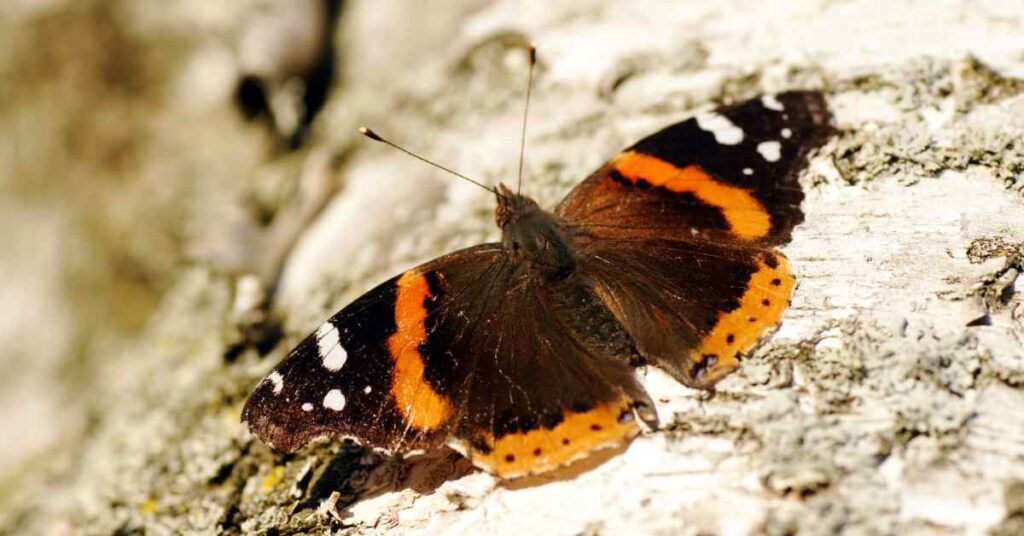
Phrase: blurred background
(182, 186)
(145, 142)
(132, 132)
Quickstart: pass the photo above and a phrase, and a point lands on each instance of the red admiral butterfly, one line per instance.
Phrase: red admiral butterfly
(521, 354)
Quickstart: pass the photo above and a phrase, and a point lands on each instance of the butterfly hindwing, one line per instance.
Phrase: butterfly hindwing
(692, 307)
(542, 371)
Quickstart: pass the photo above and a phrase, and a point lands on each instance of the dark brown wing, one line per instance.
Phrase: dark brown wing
(463, 349)
(677, 232)
(691, 306)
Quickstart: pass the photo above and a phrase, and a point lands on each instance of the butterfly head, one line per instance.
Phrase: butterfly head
(531, 236)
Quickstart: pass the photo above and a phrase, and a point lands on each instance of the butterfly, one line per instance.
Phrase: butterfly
(522, 354)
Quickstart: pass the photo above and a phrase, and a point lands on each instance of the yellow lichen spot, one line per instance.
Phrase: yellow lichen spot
(148, 507)
(273, 478)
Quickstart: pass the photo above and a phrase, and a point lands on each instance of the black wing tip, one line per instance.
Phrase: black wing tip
(252, 404)
(270, 424)
(814, 104)
(279, 438)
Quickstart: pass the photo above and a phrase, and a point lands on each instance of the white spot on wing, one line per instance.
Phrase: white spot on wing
(334, 400)
(307, 407)
(787, 133)
(772, 103)
(332, 354)
(748, 171)
(367, 390)
(770, 150)
(276, 379)
(724, 131)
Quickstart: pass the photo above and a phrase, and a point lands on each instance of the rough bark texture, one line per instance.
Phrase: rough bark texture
(134, 196)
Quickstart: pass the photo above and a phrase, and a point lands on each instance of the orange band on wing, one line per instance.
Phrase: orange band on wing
(608, 424)
(747, 217)
(761, 308)
(419, 404)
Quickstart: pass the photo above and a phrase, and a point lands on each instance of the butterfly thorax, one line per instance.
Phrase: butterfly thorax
(532, 237)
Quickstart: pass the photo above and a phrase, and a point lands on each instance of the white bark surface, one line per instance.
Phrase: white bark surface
(873, 410)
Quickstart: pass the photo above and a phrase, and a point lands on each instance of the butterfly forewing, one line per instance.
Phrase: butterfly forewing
(314, 393)
(726, 175)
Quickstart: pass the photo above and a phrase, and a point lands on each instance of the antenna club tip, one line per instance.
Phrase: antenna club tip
(533, 53)
(370, 134)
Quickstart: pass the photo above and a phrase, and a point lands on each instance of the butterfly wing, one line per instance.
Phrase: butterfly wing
(545, 372)
(678, 231)
(691, 306)
(362, 374)
(728, 175)
(463, 349)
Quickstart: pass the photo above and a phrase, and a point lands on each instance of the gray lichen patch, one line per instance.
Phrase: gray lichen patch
(169, 433)
(953, 115)
(983, 249)
(869, 409)
(975, 83)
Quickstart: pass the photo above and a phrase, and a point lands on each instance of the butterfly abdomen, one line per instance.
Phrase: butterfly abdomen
(591, 320)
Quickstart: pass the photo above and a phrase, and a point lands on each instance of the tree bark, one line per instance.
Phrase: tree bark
(875, 409)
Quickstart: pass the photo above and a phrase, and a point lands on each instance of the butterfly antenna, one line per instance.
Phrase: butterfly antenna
(526, 114)
(377, 137)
